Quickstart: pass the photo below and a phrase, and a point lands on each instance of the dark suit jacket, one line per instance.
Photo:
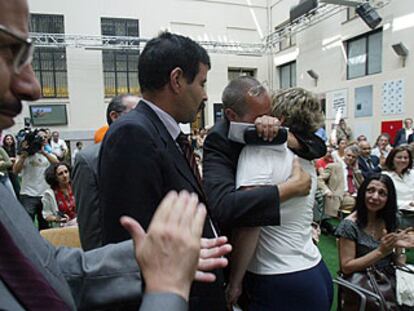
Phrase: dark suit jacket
(139, 164)
(86, 191)
(235, 208)
(365, 169)
(400, 138)
(410, 139)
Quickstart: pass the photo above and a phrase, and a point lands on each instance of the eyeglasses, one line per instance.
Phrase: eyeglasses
(258, 89)
(21, 49)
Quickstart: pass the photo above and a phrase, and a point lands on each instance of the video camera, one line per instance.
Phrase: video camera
(34, 141)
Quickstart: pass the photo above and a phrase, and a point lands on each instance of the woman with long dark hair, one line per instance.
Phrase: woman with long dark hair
(368, 236)
(9, 145)
(59, 206)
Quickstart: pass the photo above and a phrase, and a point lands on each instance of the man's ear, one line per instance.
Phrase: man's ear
(113, 115)
(230, 114)
(176, 79)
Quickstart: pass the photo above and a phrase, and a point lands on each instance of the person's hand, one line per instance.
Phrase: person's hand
(328, 193)
(301, 179)
(267, 127)
(211, 257)
(387, 243)
(169, 253)
(233, 292)
(405, 238)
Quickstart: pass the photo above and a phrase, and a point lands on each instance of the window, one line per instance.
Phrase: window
(350, 13)
(287, 75)
(49, 64)
(233, 73)
(120, 66)
(364, 55)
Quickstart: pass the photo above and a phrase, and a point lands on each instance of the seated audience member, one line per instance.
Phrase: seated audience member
(367, 237)
(382, 147)
(321, 163)
(399, 167)
(339, 154)
(9, 145)
(59, 147)
(344, 131)
(78, 148)
(281, 259)
(5, 165)
(361, 137)
(58, 201)
(340, 181)
(367, 163)
(404, 133)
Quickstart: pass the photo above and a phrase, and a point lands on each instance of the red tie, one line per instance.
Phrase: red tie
(350, 179)
(26, 283)
(188, 152)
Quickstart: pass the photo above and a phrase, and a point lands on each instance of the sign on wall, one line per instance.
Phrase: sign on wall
(363, 101)
(337, 101)
(393, 97)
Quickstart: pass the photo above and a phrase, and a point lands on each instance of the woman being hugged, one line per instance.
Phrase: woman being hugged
(285, 270)
(59, 207)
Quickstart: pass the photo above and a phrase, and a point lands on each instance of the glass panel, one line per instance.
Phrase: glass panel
(36, 61)
(293, 74)
(285, 76)
(133, 61)
(357, 58)
(121, 61)
(133, 83)
(107, 27)
(47, 23)
(120, 28)
(60, 60)
(122, 86)
(375, 53)
(61, 84)
(109, 78)
(132, 28)
(46, 58)
(48, 85)
(108, 60)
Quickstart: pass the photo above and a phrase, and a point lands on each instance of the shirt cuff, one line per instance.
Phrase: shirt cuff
(163, 301)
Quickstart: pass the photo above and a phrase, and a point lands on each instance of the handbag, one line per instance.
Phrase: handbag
(405, 285)
(375, 281)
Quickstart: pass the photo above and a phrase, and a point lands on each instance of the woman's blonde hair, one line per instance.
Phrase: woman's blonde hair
(300, 109)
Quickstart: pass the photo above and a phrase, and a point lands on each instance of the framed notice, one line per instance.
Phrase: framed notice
(337, 103)
(363, 101)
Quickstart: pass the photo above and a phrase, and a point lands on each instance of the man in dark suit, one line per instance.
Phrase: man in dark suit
(367, 163)
(246, 100)
(85, 178)
(403, 134)
(143, 155)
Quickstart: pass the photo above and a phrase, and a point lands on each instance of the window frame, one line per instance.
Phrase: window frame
(367, 49)
(290, 64)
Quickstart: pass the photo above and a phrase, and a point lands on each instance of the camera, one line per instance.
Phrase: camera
(33, 141)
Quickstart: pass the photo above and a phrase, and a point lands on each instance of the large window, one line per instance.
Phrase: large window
(234, 73)
(49, 64)
(120, 66)
(287, 75)
(364, 55)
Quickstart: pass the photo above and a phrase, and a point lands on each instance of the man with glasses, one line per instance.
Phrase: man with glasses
(34, 275)
(367, 163)
(246, 100)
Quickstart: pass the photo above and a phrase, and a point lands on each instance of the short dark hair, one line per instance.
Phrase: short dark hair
(389, 162)
(388, 214)
(235, 94)
(116, 104)
(50, 174)
(163, 54)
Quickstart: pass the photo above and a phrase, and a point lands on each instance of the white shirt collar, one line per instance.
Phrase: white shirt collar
(172, 126)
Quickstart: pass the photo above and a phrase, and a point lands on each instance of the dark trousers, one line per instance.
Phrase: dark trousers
(307, 290)
(33, 206)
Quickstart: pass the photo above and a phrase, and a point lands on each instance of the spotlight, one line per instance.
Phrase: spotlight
(368, 14)
(401, 50)
(313, 75)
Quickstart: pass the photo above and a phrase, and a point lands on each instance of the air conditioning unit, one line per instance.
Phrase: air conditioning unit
(304, 7)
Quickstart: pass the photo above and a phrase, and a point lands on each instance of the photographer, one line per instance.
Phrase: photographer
(32, 162)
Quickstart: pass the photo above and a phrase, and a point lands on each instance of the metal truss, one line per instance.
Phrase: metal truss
(268, 45)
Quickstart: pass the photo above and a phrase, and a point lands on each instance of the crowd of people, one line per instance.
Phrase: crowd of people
(175, 194)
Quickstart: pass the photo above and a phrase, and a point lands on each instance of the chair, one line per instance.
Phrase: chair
(65, 236)
(361, 292)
